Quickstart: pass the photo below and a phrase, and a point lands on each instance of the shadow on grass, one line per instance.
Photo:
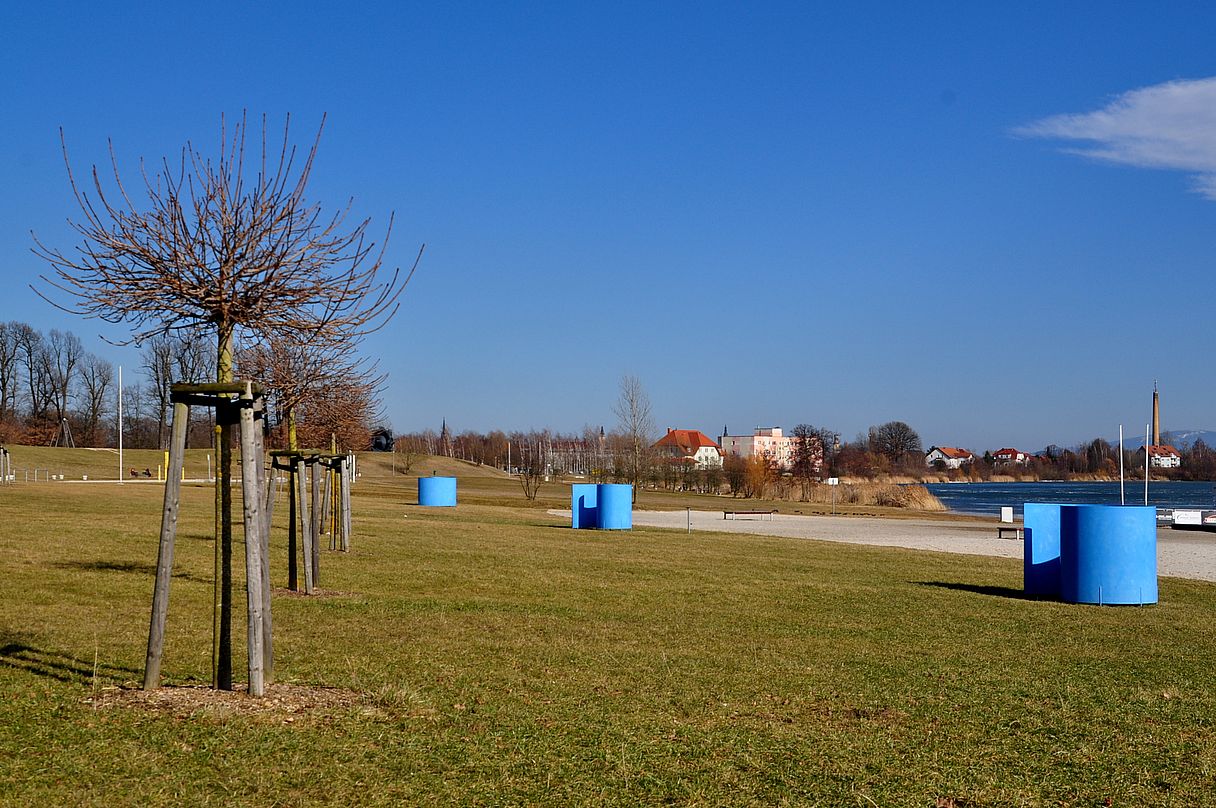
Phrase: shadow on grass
(981, 589)
(126, 566)
(19, 655)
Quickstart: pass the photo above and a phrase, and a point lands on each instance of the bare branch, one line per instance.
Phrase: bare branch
(212, 244)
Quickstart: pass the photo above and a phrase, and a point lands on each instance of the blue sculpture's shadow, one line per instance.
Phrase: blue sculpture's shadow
(982, 589)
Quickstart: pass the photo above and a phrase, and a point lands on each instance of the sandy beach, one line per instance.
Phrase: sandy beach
(1180, 554)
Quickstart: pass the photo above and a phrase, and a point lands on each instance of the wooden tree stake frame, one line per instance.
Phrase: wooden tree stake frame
(236, 402)
(309, 473)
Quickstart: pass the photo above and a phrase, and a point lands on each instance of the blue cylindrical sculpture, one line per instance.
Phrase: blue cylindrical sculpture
(1041, 571)
(614, 507)
(437, 492)
(584, 508)
(1108, 554)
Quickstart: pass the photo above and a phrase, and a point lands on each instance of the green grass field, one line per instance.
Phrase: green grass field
(488, 655)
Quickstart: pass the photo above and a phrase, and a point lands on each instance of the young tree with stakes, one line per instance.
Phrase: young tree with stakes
(230, 243)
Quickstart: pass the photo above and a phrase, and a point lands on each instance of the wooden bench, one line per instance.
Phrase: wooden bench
(761, 514)
(1012, 529)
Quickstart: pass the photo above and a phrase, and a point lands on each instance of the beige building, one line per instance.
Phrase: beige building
(769, 442)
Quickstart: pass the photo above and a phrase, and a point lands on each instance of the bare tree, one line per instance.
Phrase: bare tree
(531, 466)
(895, 440)
(322, 379)
(231, 244)
(193, 363)
(96, 381)
(9, 368)
(808, 457)
(31, 353)
(157, 360)
(63, 354)
(343, 406)
(632, 410)
(408, 449)
(193, 359)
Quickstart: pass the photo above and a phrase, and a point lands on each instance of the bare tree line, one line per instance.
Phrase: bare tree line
(47, 377)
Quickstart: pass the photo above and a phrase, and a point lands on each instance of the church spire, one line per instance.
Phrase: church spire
(1156, 416)
(445, 439)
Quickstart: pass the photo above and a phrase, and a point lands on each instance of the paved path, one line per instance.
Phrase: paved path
(1180, 554)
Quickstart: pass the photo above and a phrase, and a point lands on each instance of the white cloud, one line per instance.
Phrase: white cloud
(1168, 126)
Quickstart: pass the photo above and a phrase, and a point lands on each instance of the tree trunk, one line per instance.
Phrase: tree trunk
(221, 649)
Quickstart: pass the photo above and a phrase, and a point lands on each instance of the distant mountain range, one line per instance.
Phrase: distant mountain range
(1178, 438)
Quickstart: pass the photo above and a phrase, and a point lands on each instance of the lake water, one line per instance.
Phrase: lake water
(986, 499)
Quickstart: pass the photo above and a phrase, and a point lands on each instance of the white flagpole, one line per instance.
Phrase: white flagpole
(120, 424)
(1122, 498)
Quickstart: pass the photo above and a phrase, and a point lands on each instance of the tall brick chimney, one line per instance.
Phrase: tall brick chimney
(1156, 417)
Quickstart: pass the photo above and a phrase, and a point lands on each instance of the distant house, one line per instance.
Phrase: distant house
(1008, 456)
(1163, 456)
(951, 456)
(768, 441)
(689, 446)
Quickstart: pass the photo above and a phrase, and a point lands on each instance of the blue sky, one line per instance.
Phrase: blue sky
(993, 223)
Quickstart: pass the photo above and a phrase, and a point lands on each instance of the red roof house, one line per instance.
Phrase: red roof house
(689, 446)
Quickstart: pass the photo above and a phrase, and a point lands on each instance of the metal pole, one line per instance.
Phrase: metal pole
(689, 519)
(1146, 464)
(1122, 499)
(120, 466)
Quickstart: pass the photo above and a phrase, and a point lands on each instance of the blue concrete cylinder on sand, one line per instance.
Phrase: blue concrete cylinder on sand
(1108, 554)
(615, 507)
(437, 492)
(1041, 550)
(584, 508)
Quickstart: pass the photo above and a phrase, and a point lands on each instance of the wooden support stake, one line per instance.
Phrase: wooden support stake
(251, 494)
(315, 473)
(164, 558)
(327, 522)
(264, 535)
(345, 475)
(305, 526)
(271, 494)
(335, 502)
(293, 546)
(221, 652)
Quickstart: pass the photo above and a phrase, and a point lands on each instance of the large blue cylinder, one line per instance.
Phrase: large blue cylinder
(615, 507)
(584, 509)
(1041, 550)
(437, 492)
(1108, 554)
